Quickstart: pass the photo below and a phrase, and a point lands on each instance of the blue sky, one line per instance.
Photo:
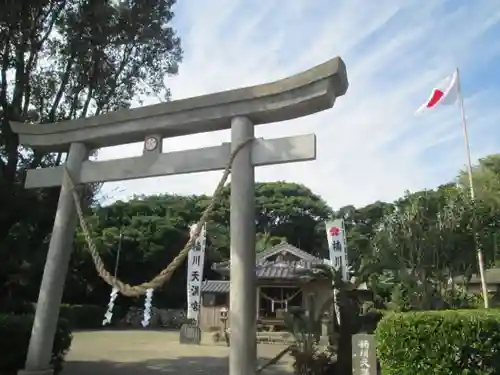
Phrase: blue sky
(370, 144)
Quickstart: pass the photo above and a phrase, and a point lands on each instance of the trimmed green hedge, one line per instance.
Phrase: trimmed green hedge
(84, 316)
(16, 306)
(15, 332)
(459, 342)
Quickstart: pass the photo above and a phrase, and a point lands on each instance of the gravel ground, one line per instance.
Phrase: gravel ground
(154, 352)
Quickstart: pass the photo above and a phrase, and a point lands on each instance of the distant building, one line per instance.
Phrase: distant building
(280, 286)
(492, 276)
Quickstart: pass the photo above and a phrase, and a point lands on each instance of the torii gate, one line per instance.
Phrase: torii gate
(240, 110)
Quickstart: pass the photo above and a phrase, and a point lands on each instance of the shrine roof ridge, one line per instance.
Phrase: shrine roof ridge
(299, 95)
(263, 267)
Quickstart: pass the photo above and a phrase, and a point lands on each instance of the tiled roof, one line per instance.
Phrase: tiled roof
(215, 286)
(284, 270)
(295, 264)
(492, 276)
(268, 270)
(291, 263)
(276, 273)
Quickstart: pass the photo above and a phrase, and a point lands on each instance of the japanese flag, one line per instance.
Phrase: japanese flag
(445, 93)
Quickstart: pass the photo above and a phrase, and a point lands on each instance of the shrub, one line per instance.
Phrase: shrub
(15, 332)
(440, 343)
(85, 316)
(78, 316)
(370, 320)
(459, 299)
(16, 306)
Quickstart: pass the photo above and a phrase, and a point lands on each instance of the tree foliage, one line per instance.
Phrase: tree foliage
(284, 210)
(65, 59)
(62, 60)
(486, 180)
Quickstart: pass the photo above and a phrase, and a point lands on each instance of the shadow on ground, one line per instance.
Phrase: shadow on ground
(180, 366)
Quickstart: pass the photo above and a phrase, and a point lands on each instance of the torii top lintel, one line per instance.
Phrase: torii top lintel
(305, 93)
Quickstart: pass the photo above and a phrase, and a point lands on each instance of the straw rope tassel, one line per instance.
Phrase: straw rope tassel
(160, 279)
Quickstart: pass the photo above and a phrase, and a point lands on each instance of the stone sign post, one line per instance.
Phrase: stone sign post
(190, 334)
(239, 110)
(364, 354)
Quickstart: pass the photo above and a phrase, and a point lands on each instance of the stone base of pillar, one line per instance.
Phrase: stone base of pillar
(36, 372)
(324, 341)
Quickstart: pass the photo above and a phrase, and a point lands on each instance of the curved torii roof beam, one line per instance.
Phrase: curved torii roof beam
(305, 93)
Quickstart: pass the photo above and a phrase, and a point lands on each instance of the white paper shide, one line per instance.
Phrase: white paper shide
(335, 233)
(109, 313)
(196, 259)
(148, 304)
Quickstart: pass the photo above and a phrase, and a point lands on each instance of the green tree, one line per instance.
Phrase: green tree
(61, 60)
(286, 210)
(154, 229)
(264, 241)
(428, 238)
(486, 180)
(361, 225)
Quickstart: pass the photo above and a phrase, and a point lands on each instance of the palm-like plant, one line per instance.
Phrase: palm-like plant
(326, 271)
(346, 309)
(305, 325)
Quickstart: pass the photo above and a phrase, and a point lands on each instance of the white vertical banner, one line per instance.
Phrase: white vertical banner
(196, 260)
(335, 234)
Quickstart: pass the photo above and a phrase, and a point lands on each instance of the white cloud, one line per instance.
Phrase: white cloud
(369, 144)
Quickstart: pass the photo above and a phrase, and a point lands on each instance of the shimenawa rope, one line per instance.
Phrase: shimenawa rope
(286, 300)
(165, 274)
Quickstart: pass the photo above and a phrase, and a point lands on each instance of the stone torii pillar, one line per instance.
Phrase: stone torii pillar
(239, 110)
(243, 344)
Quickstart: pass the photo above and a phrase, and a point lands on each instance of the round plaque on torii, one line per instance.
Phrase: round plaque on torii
(150, 143)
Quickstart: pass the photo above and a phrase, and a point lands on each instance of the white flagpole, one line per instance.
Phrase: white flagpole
(480, 258)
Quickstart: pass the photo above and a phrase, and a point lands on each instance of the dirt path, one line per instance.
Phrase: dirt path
(153, 352)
